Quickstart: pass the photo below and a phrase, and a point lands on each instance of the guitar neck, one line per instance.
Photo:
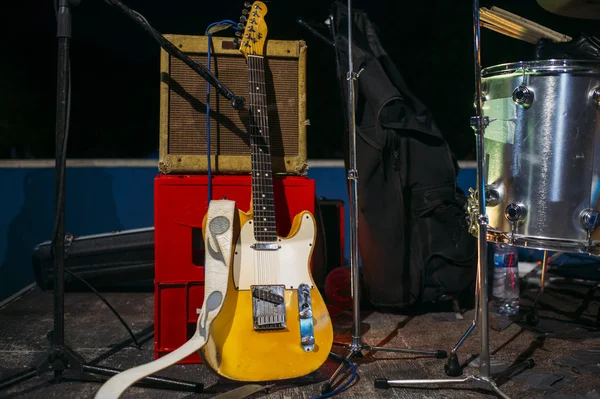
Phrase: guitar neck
(262, 180)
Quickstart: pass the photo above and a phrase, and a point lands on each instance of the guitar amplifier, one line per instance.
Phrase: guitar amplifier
(183, 127)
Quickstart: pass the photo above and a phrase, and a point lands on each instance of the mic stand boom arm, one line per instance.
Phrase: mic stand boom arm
(236, 101)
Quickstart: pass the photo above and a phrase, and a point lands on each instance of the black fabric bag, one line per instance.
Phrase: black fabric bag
(413, 238)
(583, 47)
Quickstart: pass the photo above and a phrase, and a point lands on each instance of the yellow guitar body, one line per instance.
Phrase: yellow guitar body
(235, 349)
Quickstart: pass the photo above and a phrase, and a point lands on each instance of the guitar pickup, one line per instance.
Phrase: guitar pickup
(267, 295)
(265, 246)
(307, 334)
(268, 307)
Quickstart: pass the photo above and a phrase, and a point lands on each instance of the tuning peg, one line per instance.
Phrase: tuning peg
(247, 4)
(236, 42)
(241, 26)
(245, 12)
(243, 19)
(239, 33)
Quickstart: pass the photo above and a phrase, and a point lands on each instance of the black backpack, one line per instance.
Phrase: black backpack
(413, 237)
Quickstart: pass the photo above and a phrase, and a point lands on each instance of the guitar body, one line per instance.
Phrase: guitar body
(236, 349)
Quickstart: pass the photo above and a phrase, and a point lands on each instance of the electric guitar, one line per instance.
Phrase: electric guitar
(274, 324)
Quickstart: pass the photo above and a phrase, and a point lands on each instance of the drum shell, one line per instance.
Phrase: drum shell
(544, 155)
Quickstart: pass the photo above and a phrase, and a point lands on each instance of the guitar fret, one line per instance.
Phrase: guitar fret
(262, 181)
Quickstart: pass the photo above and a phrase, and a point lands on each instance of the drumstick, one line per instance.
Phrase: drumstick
(512, 27)
(557, 36)
(495, 19)
(509, 33)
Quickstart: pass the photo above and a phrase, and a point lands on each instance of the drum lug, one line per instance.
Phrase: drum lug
(523, 96)
(492, 196)
(515, 212)
(596, 96)
(590, 219)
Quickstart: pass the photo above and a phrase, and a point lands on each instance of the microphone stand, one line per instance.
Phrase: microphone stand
(357, 345)
(60, 357)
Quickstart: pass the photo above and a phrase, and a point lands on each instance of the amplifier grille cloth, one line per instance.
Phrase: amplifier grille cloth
(187, 107)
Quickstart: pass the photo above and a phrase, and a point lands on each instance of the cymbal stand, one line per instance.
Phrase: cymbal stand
(452, 368)
(357, 346)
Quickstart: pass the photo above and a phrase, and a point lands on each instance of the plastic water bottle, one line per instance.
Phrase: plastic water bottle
(505, 290)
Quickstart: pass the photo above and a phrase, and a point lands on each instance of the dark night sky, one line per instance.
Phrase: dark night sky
(115, 66)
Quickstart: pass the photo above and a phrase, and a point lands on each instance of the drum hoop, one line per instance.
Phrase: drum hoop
(543, 243)
(543, 66)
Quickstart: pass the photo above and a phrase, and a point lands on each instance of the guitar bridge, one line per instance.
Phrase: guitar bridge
(268, 307)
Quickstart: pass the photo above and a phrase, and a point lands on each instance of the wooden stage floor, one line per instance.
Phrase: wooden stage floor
(565, 335)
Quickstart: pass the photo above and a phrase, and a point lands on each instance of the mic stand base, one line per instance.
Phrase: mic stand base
(477, 382)
(59, 359)
(356, 349)
(357, 346)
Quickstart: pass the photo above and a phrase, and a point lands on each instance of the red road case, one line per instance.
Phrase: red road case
(180, 203)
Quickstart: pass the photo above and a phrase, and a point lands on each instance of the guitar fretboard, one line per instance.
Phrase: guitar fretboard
(262, 181)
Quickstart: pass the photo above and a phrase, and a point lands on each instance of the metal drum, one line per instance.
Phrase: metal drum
(542, 154)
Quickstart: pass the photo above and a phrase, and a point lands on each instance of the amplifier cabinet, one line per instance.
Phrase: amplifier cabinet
(183, 127)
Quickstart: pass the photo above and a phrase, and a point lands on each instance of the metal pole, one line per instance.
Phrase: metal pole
(357, 345)
(353, 177)
(484, 365)
(64, 38)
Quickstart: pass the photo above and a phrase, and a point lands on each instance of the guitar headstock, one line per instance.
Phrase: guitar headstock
(252, 40)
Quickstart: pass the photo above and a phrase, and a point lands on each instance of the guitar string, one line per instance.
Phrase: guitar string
(265, 226)
(256, 179)
(264, 159)
(257, 270)
(266, 163)
(258, 229)
(273, 255)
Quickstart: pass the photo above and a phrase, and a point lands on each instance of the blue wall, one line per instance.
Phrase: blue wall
(99, 200)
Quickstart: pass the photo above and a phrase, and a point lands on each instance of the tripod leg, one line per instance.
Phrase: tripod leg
(452, 366)
(18, 377)
(157, 382)
(497, 390)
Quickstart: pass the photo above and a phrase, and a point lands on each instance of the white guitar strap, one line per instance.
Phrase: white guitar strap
(218, 241)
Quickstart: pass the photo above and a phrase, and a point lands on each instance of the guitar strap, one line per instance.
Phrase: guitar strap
(218, 240)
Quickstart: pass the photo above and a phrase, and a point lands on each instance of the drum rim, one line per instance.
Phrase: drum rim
(543, 243)
(543, 66)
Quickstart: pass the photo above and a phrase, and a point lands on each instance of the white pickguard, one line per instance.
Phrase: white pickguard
(287, 266)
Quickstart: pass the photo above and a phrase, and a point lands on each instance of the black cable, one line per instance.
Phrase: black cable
(315, 32)
(236, 101)
(108, 305)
